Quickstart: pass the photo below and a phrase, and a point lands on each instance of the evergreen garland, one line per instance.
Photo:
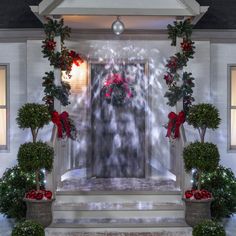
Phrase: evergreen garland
(66, 57)
(182, 29)
(178, 62)
(64, 61)
(52, 91)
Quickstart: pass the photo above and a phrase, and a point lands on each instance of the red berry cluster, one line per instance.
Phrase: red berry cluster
(39, 195)
(169, 78)
(197, 194)
(186, 46)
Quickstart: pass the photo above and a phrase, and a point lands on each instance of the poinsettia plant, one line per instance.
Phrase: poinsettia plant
(39, 195)
(195, 194)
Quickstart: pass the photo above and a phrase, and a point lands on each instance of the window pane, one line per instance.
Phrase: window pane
(3, 139)
(2, 86)
(79, 78)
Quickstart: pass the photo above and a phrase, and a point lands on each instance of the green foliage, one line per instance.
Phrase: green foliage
(33, 115)
(13, 185)
(208, 228)
(204, 116)
(201, 156)
(185, 91)
(222, 184)
(35, 156)
(182, 29)
(28, 228)
(55, 28)
(52, 91)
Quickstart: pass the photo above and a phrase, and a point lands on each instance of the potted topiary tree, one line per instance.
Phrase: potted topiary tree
(35, 156)
(202, 157)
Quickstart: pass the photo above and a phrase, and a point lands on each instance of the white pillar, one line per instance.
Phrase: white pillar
(53, 178)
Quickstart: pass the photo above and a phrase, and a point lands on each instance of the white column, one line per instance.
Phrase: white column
(182, 178)
(53, 178)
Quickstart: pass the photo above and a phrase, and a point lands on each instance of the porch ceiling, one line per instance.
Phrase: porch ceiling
(136, 14)
(120, 7)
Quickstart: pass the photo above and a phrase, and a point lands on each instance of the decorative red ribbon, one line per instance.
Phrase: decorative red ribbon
(61, 121)
(175, 121)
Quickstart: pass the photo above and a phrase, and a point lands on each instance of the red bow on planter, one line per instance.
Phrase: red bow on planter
(175, 121)
(62, 123)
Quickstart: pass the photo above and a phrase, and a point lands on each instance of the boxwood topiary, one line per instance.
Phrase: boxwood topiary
(33, 116)
(222, 184)
(28, 228)
(208, 228)
(34, 157)
(13, 185)
(204, 157)
(203, 116)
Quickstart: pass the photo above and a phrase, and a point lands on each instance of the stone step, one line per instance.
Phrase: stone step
(116, 214)
(125, 222)
(117, 196)
(141, 232)
(155, 226)
(120, 206)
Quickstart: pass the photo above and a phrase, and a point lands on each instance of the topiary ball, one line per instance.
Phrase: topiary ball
(208, 228)
(201, 156)
(33, 115)
(35, 156)
(13, 185)
(203, 115)
(28, 228)
(222, 184)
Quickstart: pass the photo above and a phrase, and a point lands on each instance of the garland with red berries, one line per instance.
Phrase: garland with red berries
(173, 77)
(64, 61)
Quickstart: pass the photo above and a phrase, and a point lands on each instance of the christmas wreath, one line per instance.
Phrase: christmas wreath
(116, 90)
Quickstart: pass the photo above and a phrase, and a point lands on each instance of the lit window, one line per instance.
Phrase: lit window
(3, 108)
(79, 78)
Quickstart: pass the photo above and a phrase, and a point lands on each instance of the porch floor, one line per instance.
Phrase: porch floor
(118, 184)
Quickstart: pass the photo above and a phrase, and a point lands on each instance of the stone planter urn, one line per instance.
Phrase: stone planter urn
(197, 210)
(39, 211)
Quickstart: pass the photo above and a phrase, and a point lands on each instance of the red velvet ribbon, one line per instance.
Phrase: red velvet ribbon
(61, 121)
(175, 121)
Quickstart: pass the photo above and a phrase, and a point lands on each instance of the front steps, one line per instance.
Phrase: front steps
(118, 213)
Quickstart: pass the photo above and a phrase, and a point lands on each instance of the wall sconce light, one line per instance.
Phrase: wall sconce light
(118, 26)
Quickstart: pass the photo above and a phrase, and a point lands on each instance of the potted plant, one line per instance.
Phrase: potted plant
(208, 228)
(35, 156)
(203, 158)
(28, 228)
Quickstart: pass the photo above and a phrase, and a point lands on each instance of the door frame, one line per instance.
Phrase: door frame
(147, 143)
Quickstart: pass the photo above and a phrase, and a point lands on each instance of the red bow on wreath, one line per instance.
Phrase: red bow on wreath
(62, 123)
(175, 121)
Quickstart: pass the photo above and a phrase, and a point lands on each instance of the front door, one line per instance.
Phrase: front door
(118, 128)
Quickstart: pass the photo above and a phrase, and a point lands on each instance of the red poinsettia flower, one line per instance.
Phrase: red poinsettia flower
(48, 194)
(197, 194)
(39, 195)
(188, 194)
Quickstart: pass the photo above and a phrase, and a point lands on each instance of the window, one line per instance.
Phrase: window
(3, 108)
